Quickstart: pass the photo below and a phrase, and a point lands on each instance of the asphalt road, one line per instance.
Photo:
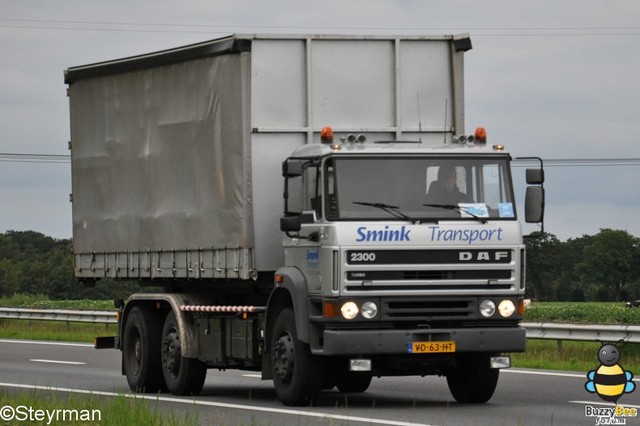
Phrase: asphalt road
(523, 397)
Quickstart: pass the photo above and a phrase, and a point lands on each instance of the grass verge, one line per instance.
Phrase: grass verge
(54, 330)
(572, 356)
(41, 407)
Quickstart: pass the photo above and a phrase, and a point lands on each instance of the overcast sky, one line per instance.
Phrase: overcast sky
(558, 79)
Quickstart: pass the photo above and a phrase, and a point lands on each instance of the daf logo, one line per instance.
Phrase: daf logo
(468, 256)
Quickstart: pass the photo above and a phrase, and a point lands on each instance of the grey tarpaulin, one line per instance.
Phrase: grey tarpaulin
(161, 157)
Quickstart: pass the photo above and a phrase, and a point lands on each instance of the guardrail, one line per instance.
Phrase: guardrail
(586, 332)
(97, 317)
(535, 330)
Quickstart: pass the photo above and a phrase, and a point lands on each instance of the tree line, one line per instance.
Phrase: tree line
(601, 267)
(33, 263)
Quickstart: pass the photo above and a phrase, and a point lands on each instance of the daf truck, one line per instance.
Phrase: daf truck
(308, 207)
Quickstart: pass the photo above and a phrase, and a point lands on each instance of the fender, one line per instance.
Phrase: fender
(294, 284)
(186, 326)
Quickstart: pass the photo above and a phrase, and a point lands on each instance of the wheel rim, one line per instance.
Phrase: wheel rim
(171, 352)
(283, 358)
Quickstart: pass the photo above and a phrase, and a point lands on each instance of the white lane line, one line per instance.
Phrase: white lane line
(53, 361)
(608, 404)
(544, 373)
(193, 402)
(553, 374)
(39, 342)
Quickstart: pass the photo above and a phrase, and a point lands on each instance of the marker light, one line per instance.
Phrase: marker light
(349, 310)
(330, 309)
(326, 135)
(487, 308)
(498, 147)
(521, 307)
(481, 135)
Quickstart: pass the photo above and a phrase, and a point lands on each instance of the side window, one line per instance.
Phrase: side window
(312, 199)
(331, 202)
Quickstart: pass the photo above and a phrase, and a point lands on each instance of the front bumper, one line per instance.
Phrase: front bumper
(394, 342)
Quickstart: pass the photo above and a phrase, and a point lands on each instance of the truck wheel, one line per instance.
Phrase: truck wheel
(350, 382)
(183, 376)
(141, 350)
(297, 375)
(473, 381)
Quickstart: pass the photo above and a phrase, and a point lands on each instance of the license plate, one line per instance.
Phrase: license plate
(431, 347)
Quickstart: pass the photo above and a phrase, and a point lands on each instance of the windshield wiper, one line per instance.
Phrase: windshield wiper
(458, 209)
(392, 210)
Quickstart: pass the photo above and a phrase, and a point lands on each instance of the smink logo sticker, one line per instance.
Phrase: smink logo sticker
(385, 234)
(610, 381)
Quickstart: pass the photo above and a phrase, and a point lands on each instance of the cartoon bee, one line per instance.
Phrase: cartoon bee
(610, 381)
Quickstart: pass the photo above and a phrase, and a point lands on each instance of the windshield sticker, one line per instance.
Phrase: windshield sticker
(506, 210)
(473, 210)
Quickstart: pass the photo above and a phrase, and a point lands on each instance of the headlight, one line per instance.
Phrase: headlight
(506, 308)
(369, 310)
(487, 308)
(349, 310)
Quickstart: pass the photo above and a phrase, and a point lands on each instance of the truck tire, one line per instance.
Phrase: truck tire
(183, 376)
(473, 381)
(297, 374)
(141, 350)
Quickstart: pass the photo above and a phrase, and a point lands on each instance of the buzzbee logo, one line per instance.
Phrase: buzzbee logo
(610, 381)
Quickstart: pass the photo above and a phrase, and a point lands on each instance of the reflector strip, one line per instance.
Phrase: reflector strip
(219, 308)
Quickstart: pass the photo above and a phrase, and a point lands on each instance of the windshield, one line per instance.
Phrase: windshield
(419, 189)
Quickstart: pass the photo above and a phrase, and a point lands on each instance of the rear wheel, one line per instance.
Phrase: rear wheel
(297, 374)
(183, 376)
(141, 350)
(473, 381)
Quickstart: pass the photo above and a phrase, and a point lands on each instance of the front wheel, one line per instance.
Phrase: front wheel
(297, 374)
(473, 381)
(183, 376)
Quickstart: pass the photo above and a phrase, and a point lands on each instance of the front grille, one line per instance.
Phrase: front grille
(426, 287)
(430, 275)
(429, 310)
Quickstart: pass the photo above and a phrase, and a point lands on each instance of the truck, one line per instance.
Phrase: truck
(308, 207)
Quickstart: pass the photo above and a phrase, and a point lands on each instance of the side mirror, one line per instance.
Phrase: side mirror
(290, 224)
(535, 176)
(534, 204)
(293, 168)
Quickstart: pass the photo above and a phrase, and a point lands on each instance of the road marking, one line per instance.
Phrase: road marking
(193, 402)
(550, 373)
(38, 342)
(544, 373)
(609, 404)
(53, 361)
